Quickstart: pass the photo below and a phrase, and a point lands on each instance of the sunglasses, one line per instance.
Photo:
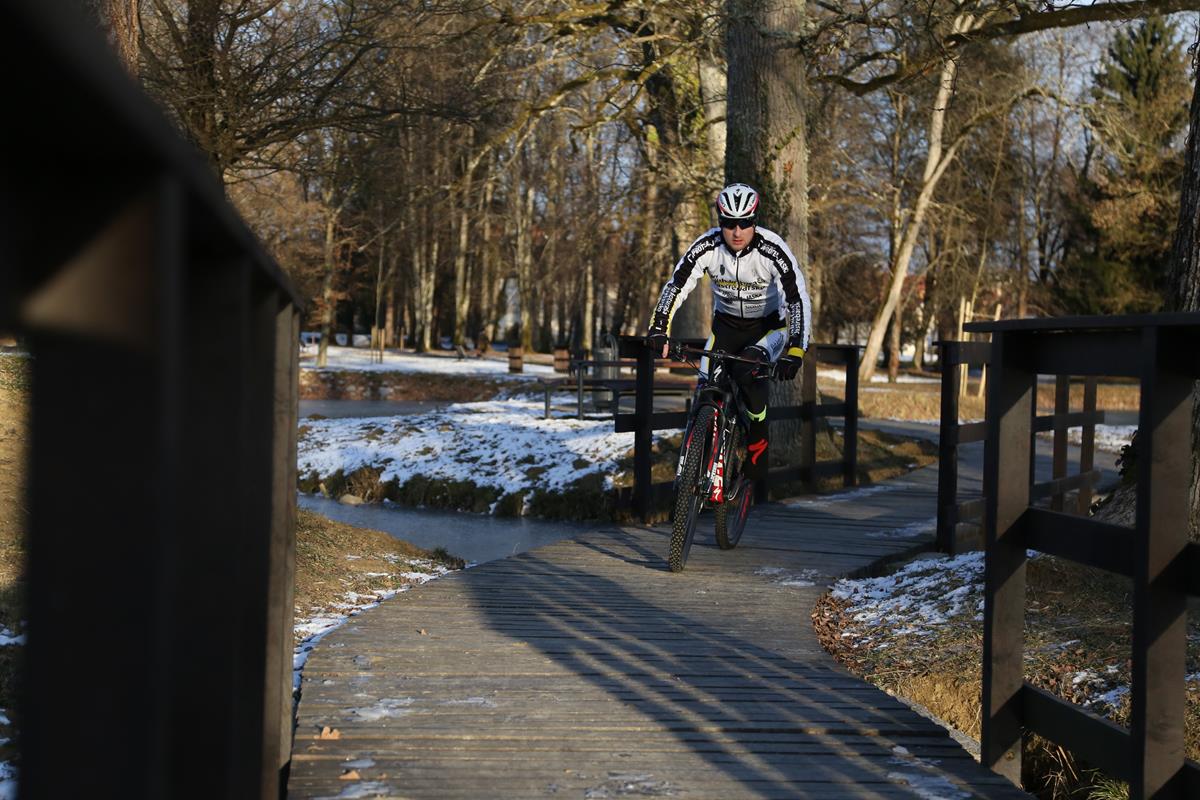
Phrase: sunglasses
(729, 224)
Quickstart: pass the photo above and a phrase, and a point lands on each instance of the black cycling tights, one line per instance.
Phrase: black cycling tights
(737, 335)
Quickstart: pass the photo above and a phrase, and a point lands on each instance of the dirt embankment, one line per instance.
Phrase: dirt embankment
(396, 386)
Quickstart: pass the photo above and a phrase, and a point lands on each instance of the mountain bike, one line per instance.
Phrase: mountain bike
(709, 474)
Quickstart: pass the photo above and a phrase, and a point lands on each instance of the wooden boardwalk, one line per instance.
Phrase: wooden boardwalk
(586, 669)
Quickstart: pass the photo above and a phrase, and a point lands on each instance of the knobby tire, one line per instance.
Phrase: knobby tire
(730, 516)
(688, 499)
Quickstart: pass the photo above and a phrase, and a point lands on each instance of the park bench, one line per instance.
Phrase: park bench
(582, 378)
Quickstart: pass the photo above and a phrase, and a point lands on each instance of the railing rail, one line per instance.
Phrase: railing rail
(1163, 352)
(644, 421)
(959, 522)
(161, 475)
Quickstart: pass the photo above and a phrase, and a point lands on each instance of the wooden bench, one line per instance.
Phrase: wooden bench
(581, 382)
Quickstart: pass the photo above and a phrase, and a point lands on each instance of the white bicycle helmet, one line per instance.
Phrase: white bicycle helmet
(737, 201)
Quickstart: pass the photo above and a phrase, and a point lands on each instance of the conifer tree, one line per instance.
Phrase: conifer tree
(1126, 199)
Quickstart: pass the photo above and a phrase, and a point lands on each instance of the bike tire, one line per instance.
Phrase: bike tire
(687, 499)
(730, 516)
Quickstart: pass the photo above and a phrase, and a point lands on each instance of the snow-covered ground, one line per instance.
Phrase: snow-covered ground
(503, 444)
(8, 773)
(363, 360)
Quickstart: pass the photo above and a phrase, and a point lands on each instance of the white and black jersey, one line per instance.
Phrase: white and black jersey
(762, 280)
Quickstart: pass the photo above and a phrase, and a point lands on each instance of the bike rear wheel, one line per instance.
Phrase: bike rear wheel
(731, 516)
(688, 498)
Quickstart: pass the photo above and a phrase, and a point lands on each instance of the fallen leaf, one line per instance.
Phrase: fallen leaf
(422, 632)
(330, 733)
(352, 775)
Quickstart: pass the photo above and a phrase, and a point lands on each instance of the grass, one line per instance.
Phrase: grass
(334, 559)
(922, 401)
(1077, 645)
(14, 432)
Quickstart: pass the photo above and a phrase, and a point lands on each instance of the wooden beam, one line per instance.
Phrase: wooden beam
(1006, 487)
(1159, 599)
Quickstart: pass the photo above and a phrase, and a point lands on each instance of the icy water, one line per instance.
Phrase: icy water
(473, 537)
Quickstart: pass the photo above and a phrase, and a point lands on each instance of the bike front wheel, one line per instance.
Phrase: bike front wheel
(688, 498)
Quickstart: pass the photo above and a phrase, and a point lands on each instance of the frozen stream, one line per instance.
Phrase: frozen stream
(473, 537)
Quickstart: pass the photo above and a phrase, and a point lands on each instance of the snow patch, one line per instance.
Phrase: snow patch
(355, 359)
(502, 443)
(388, 708)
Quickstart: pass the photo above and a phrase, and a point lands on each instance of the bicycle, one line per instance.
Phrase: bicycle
(710, 460)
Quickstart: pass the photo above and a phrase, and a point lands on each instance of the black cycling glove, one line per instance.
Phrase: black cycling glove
(657, 341)
(791, 361)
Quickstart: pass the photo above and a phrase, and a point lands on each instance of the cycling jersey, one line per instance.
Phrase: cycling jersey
(762, 280)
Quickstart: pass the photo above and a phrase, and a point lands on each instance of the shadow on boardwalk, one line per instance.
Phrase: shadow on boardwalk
(585, 669)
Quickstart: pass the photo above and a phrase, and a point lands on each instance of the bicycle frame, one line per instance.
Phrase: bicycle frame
(725, 396)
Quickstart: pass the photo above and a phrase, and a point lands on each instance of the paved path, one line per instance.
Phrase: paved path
(585, 669)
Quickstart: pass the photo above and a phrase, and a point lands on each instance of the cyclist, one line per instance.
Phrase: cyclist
(761, 308)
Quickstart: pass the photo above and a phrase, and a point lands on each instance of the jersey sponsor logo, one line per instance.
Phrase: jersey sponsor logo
(740, 286)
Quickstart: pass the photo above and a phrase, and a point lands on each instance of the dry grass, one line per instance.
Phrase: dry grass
(1077, 645)
(922, 401)
(14, 420)
(334, 560)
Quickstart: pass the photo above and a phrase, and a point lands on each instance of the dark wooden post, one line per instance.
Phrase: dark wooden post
(808, 420)
(643, 403)
(1087, 445)
(1159, 597)
(281, 568)
(1006, 489)
(947, 510)
(1062, 407)
(850, 439)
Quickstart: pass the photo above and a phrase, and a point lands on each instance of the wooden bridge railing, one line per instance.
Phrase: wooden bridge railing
(959, 522)
(161, 497)
(644, 420)
(1163, 352)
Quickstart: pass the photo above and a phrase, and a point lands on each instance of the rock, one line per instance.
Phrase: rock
(350, 500)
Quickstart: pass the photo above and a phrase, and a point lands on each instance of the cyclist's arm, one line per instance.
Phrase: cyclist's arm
(684, 278)
(797, 305)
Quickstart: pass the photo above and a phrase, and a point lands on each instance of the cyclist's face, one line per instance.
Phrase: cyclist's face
(737, 238)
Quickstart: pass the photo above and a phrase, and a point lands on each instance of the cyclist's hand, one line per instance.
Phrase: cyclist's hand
(657, 341)
(789, 368)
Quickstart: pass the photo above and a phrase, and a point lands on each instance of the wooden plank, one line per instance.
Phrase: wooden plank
(1088, 736)
(1159, 599)
(1006, 487)
(587, 654)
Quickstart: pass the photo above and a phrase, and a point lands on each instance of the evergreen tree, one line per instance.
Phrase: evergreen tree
(1126, 198)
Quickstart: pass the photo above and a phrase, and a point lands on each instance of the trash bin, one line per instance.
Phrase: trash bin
(516, 359)
(606, 351)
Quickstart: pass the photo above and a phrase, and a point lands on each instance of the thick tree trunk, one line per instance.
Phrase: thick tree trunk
(1184, 287)
(765, 144)
(118, 20)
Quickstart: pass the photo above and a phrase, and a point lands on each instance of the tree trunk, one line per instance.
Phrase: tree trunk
(1184, 286)
(328, 295)
(936, 160)
(462, 289)
(118, 20)
(693, 320)
(765, 144)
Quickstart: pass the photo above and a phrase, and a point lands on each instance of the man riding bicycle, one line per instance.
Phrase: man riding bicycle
(761, 308)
